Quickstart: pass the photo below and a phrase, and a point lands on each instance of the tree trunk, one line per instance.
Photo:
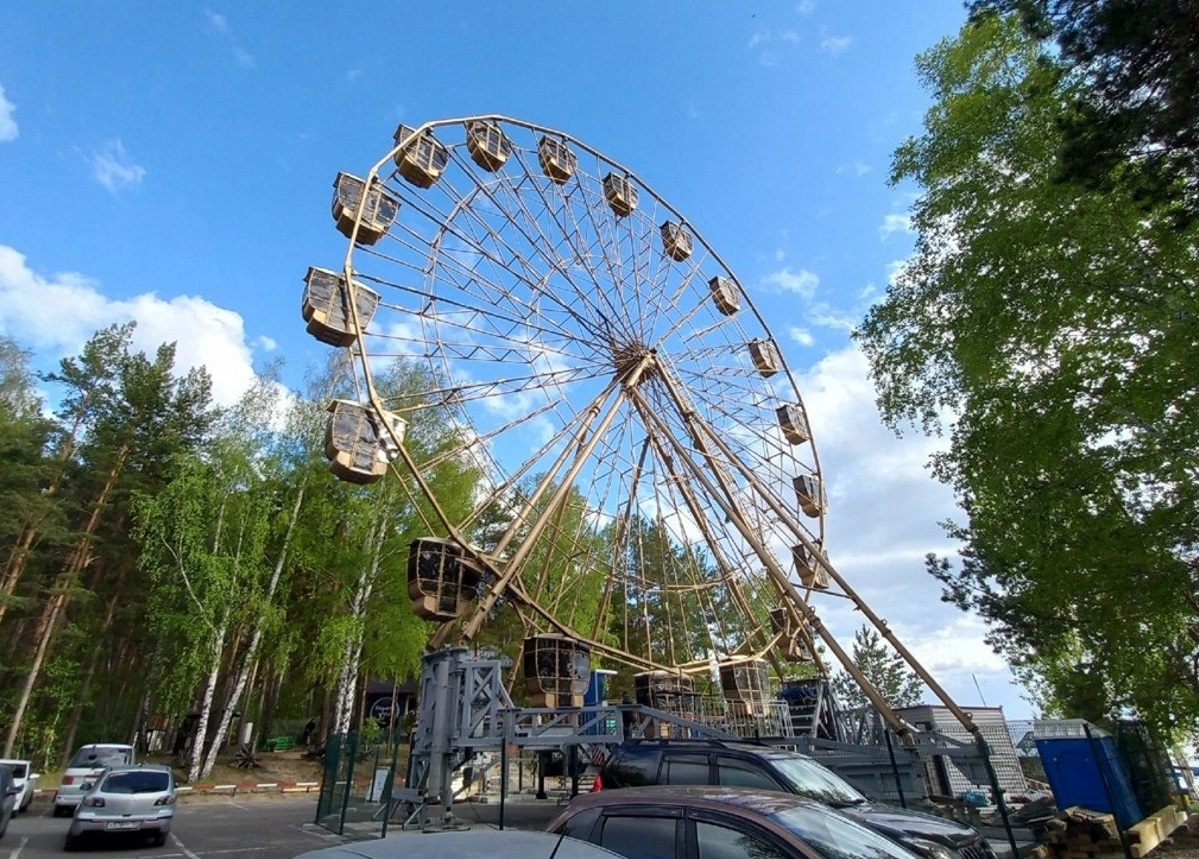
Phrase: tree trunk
(19, 556)
(60, 598)
(197, 756)
(347, 681)
(251, 652)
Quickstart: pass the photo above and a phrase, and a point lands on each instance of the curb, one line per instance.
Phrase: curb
(207, 788)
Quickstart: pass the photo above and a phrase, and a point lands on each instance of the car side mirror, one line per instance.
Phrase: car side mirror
(87, 785)
(32, 776)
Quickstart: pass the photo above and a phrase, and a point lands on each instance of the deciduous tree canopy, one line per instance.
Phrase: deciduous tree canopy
(1134, 116)
(1052, 328)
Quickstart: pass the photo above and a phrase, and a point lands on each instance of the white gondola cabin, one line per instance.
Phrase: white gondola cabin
(353, 443)
(812, 573)
(620, 194)
(745, 680)
(557, 160)
(725, 295)
(676, 241)
(793, 639)
(793, 423)
(765, 356)
(326, 307)
(442, 578)
(487, 144)
(557, 670)
(664, 690)
(810, 494)
(377, 215)
(423, 160)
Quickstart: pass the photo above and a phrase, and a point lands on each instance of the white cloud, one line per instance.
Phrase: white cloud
(806, 7)
(217, 21)
(802, 282)
(765, 42)
(267, 344)
(244, 58)
(8, 125)
(884, 510)
(802, 336)
(858, 168)
(56, 315)
(112, 168)
(220, 25)
(833, 45)
(893, 224)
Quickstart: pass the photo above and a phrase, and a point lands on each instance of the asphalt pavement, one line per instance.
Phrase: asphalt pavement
(259, 827)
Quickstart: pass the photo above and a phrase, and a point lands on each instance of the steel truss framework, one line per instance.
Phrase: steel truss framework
(648, 484)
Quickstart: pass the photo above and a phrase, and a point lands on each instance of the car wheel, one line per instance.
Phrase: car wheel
(71, 842)
(158, 839)
(59, 810)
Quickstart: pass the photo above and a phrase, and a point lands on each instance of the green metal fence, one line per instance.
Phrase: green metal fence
(359, 777)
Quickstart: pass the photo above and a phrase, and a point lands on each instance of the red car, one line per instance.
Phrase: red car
(693, 822)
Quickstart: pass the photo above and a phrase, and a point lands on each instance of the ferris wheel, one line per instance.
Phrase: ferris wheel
(646, 487)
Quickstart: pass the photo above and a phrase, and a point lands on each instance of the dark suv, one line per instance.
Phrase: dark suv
(649, 762)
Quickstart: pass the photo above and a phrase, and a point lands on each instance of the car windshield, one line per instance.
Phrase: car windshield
(136, 781)
(835, 836)
(98, 758)
(808, 778)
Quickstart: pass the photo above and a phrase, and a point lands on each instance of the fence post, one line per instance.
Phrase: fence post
(903, 803)
(985, 750)
(351, 747)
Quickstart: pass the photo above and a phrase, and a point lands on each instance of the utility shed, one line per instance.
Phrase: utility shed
(951, 775)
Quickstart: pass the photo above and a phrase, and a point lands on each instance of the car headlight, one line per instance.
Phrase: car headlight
(930, 849)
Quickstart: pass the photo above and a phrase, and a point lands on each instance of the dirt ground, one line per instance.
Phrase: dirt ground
(275, 766)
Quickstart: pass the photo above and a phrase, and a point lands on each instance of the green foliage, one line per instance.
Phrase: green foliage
(1052, 328)
(1134, 117)
(883, 668)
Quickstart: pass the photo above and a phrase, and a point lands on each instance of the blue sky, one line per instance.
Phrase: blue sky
(172, 162)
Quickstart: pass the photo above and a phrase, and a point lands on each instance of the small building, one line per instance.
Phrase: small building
(948, 777)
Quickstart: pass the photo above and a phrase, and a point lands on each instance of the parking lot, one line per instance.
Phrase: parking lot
(274, 827)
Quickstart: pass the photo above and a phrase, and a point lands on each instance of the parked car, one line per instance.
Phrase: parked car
(26, 780)
(85, 768)
(8, 797)
(715, 762)
(468, 844)
(685, 822)
(126, 798)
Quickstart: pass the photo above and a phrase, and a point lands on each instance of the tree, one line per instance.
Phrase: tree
(1134, 113)
(1052, 328)
(884, 668)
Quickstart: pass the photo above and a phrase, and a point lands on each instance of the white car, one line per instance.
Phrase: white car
(85, 768)
(24, 778)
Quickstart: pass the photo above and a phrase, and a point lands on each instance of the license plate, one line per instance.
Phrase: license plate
(123, 824)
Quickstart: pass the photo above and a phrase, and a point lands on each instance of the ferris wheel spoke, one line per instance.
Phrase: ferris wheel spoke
(632, 477)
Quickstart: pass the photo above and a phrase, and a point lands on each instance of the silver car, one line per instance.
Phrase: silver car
(85, 768)
(138, 799)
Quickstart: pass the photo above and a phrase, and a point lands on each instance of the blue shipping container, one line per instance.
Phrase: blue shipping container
(1076, 779)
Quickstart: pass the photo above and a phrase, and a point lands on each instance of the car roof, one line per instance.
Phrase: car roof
(765, 802)
(466, 844)
(104, 746)
(124, 768)
(9, 761)
(700, 743)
